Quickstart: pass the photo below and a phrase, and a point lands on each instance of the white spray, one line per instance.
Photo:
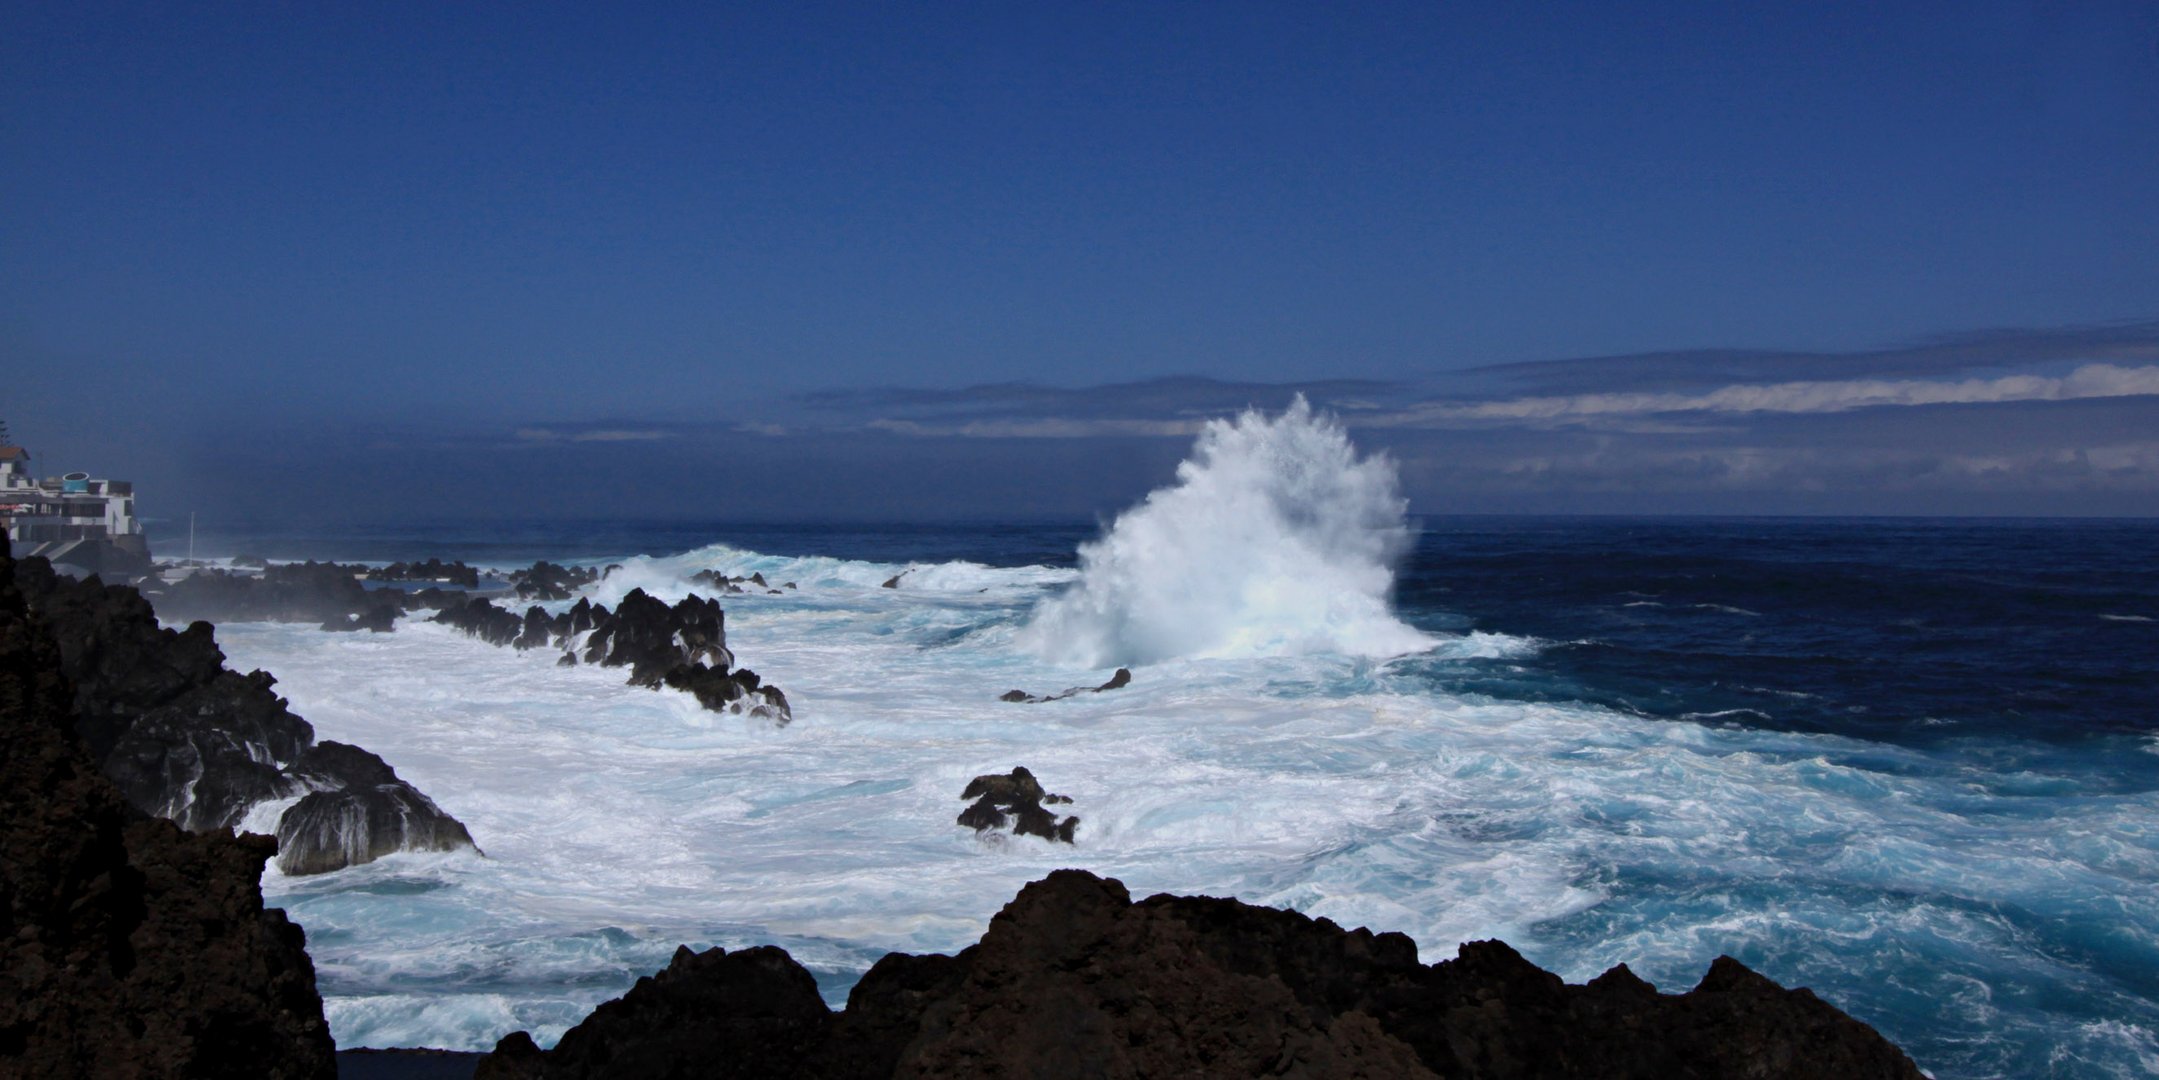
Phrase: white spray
(1276, 539)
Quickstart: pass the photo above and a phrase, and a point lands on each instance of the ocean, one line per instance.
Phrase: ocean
(1912, 765)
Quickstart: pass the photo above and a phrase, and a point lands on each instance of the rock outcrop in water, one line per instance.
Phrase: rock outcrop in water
(1015, 799)
(128, 947)
(187, 739)
(357, 811)
(682, 646)
(546, 581)
(1119, 681)
(1074, 979)
(309, 592)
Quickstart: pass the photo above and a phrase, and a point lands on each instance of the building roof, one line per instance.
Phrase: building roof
(10, 453)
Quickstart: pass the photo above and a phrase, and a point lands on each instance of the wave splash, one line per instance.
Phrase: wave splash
(1276, 539)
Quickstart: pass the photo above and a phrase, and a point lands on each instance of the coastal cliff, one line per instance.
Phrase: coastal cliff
(186, 738)
(129, 947)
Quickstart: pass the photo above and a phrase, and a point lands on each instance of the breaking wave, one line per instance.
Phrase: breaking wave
(1276, 539)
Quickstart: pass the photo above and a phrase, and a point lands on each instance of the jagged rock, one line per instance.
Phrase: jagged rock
(180, 736)
(1074, 979)
(1119, 681)
(1016, 799)
(546, 581)
(127, 946)
(682, 646)
(480, 618)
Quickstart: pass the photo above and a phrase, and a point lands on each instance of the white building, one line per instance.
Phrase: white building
(76, 520)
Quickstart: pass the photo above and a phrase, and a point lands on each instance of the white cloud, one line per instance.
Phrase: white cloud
(2089, 381)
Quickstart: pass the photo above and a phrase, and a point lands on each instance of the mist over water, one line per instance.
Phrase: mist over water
(1277, 539)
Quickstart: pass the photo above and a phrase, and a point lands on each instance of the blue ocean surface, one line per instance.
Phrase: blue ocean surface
(1911, 764)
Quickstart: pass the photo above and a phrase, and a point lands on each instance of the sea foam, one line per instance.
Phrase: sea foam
(1277, 539)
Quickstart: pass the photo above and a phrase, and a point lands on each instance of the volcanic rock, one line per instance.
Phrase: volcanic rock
(1014, 799)
(127, 946)
(1074, 979)
(181, 736)
(331, 830)
(308, 592)
(682, 646)
(1119, 681)
(546, 581)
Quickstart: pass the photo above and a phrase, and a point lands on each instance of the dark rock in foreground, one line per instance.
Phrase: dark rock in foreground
(1073, 979)
(182, 736)
(127, 946)
(1119, 681)
(1015, 799)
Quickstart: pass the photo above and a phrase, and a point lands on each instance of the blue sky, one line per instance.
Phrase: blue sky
(881, 260)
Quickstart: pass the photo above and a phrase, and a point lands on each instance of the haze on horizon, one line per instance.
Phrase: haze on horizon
(863, 262)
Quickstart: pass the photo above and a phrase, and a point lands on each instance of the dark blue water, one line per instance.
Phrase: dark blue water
(1907, 631)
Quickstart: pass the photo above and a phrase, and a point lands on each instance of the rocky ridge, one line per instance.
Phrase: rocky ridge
(682, 646)
(1074, 979)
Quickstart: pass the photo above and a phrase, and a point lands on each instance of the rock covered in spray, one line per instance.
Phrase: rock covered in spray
(358, 810)
(180, 735)
(306, 592)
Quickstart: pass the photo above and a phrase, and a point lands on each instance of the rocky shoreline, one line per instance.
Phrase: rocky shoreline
(134, 947)
(187, 739)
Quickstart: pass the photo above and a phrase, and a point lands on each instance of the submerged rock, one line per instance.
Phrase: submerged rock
(1118, 681)
(1074, 979)
(1016, 799)
(131, 947)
